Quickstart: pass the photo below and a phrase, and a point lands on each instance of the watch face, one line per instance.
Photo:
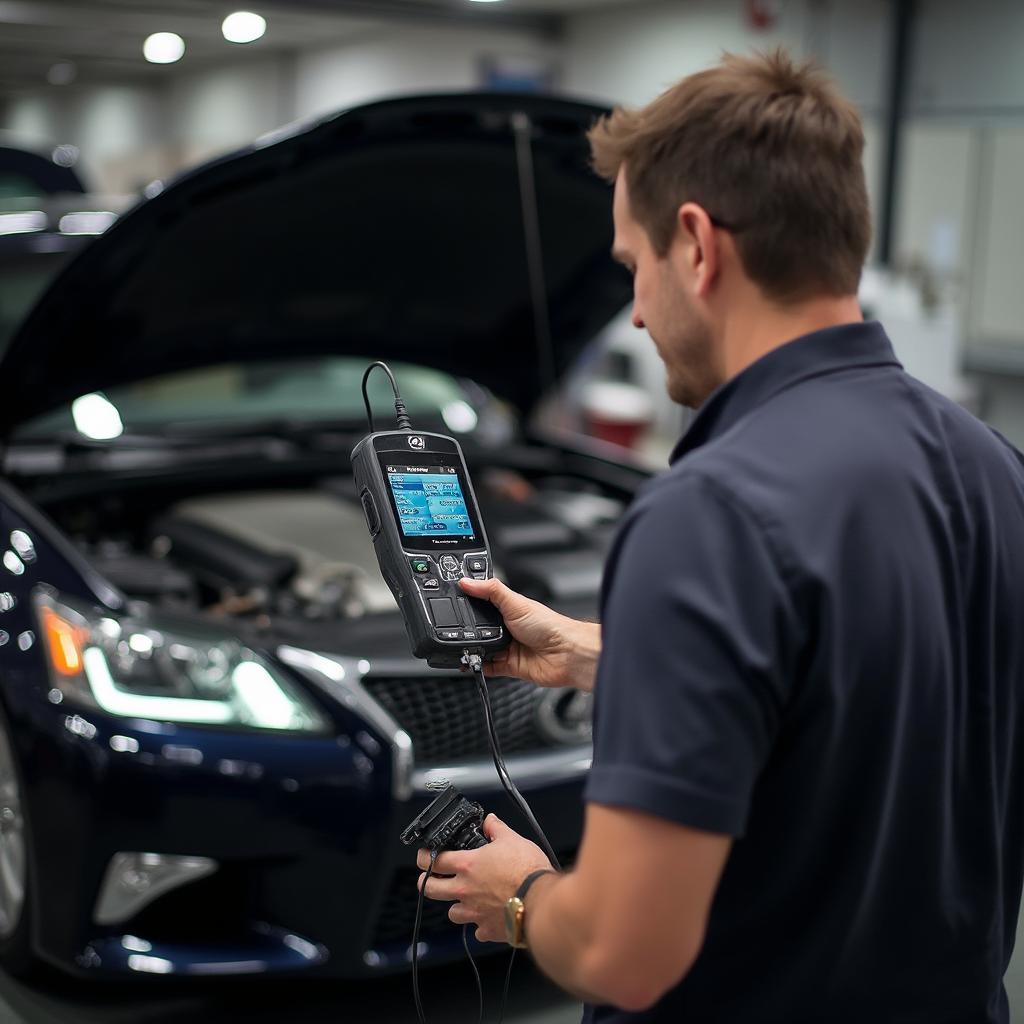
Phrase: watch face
(514, 909)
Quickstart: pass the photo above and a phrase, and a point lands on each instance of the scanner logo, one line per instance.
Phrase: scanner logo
(565, 716)
(417, 442)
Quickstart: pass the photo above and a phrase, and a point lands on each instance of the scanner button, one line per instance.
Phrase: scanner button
(442, 611)
(470, 634)
(449, 562)
(421, 565)
(431, 583)
(370, 511)
(450, 634)
(476, 564)
(488, 633)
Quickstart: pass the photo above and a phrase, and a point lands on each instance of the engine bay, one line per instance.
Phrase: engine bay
(286, 557)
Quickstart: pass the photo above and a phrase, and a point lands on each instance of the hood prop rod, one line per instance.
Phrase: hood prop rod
(522, 128)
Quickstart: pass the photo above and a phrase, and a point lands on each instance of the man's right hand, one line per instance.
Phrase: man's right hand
(548, 649)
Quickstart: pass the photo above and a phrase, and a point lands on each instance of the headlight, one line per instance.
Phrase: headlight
(140, 666)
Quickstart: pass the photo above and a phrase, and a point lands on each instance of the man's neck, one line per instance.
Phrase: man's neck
(755, 329)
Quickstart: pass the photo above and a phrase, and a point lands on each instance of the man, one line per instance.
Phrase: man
(807, 792)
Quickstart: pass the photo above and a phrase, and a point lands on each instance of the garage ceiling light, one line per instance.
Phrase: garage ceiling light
(243, 27)
(163, 48)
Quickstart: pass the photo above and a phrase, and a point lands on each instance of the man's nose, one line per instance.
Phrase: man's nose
(638, 320)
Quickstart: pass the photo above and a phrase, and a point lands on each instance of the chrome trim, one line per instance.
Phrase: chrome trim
(529, 769)
(133, 880)
(340, 677)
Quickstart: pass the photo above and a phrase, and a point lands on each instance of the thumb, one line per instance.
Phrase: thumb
(494, 591)
(495, 828)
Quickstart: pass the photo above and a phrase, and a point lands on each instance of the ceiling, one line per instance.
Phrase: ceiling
(103, 38)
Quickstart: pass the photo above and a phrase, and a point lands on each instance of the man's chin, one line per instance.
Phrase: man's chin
(681, 392)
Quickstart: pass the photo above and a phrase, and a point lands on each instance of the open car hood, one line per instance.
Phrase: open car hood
(394, 231)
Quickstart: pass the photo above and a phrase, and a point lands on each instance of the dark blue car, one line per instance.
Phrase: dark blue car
(211, 730)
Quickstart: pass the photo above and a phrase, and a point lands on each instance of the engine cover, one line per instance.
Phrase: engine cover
(325, 534)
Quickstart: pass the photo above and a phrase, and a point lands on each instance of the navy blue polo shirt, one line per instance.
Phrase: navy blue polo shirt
(813, 641)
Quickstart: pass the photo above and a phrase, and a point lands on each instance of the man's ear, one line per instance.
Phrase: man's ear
(699, 246)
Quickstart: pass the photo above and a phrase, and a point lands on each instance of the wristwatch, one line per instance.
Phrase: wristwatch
(515, 910)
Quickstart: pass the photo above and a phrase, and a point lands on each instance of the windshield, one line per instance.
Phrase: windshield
(236, 394)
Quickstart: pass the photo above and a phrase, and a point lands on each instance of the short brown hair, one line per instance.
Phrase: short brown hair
(771, 150)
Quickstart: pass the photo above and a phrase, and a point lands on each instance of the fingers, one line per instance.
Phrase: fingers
(443, 889)
(446, 863)
(494, 827)
(458, 914)
(505, 600)
(478, 588)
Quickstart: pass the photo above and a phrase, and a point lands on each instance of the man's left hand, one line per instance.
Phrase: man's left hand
(482, 880)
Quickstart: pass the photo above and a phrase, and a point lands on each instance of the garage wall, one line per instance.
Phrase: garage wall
(117, 128)
(221, 110)
(130, 135)
(968, 57)
(34, 117)
(630, 55)
(961, 196)
(413, 59)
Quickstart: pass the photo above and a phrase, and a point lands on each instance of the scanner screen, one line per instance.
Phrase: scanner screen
(429, 501)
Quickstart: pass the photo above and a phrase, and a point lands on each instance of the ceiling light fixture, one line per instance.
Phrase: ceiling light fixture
(243, 27)
(163, 48)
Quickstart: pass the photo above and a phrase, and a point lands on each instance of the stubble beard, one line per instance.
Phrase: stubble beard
(689, 371)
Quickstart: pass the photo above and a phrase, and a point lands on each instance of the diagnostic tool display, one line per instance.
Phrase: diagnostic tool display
(427, 534)
(429, 500)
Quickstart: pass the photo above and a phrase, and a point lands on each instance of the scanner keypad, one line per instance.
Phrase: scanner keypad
(451, 567)
(456, 618)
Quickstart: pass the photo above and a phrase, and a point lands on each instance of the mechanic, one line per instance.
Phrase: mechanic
(807, 790)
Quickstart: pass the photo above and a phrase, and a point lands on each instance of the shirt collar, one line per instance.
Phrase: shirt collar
(811, 355)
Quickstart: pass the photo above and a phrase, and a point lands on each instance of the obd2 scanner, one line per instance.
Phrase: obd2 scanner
(428, 534)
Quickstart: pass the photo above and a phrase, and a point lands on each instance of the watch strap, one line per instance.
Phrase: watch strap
(532, 877)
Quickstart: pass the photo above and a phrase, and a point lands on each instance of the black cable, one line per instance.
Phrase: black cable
(404, 423)
(508, 981)
(476, 663)
(476, 973)
(416, 941)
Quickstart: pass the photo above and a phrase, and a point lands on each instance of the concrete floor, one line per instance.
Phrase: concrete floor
(449, 995)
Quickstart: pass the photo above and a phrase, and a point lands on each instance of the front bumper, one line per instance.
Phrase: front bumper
(310, 874)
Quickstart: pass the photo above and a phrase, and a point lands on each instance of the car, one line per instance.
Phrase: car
(212, 732)
(27, 172)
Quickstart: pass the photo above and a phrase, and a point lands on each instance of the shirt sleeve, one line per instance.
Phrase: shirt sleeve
(697, 636)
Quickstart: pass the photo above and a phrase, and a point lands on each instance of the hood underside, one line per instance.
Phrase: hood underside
(393, 231)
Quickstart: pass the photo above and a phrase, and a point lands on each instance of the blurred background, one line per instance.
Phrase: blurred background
(103, 102)
(940, 84)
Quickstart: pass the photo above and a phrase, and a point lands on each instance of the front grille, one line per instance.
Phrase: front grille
(444, 717)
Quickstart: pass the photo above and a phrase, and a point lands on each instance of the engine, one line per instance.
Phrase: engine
(306, 553)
